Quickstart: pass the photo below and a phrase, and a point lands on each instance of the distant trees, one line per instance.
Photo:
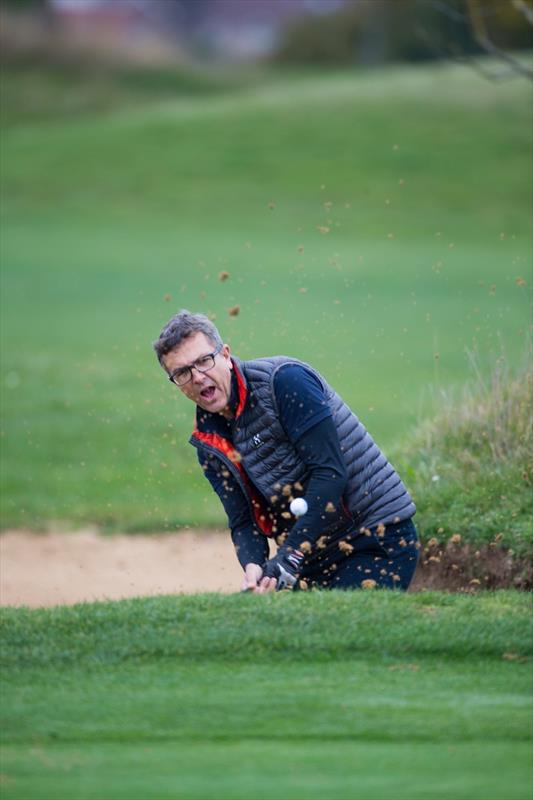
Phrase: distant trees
(411, 30)
(24, 5)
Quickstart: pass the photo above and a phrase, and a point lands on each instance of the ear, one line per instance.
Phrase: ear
(226, 352)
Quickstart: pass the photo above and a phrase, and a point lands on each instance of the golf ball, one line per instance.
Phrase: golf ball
(298, 507)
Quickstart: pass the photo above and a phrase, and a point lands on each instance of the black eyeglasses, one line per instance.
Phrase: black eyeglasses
(183, 375)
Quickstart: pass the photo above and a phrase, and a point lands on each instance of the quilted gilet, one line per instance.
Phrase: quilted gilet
(374, 492)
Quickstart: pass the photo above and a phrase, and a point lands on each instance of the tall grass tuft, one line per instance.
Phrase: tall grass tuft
(488, 427)
(470, 468)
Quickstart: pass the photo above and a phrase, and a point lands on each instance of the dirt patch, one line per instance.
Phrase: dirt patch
(63, 568)
(462, 568)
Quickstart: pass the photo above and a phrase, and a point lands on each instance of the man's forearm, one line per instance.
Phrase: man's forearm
(251, 547)
(325, 510)
(319, 448)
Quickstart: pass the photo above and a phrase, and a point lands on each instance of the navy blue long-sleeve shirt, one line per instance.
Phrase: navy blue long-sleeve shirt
(306, 418)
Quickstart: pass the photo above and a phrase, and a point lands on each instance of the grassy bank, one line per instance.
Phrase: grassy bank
(470, 471)
(204, 697)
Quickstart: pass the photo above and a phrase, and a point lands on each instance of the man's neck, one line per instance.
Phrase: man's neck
(229, 411)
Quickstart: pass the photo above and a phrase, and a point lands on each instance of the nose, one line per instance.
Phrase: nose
(196, 375)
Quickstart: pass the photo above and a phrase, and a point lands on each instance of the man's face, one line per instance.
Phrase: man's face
(210, 390)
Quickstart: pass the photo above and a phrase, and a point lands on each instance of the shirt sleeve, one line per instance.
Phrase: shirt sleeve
(251, 546)
(301, 399)
(307, 420)
(319, 448)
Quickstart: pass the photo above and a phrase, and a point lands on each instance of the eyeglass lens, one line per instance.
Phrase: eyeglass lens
(203, 364)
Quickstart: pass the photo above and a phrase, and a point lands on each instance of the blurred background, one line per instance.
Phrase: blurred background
(344, 181)
(319, 32)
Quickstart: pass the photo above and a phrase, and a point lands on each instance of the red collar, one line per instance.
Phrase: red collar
(242, 392)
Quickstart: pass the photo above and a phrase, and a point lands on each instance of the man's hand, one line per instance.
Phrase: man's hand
(255, 582)
(284, 568)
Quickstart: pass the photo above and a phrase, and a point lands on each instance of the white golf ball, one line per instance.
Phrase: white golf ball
(298, 507)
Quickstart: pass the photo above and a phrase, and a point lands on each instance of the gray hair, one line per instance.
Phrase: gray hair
(180, 327)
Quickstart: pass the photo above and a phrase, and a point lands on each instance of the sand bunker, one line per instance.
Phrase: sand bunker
(56, 568)
(47, 569)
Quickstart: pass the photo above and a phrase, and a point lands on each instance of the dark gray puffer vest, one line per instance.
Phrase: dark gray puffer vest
(374, 493)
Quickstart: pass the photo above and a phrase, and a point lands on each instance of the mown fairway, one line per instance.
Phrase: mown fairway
(375, 225)
(321, 696)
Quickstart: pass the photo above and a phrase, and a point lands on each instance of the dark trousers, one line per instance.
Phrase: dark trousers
(379, 557)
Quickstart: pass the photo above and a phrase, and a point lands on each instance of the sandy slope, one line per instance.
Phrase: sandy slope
(55, 568)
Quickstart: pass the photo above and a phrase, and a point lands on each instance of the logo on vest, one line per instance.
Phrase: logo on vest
(257, 440)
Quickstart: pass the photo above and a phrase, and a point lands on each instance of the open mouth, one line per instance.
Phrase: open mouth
(208, 394)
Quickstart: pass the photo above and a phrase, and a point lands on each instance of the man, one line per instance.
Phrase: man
(272, 429)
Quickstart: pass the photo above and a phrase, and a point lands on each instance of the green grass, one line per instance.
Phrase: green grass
(252, 768)
(35, 92)
(368, 695)
(105, 214)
